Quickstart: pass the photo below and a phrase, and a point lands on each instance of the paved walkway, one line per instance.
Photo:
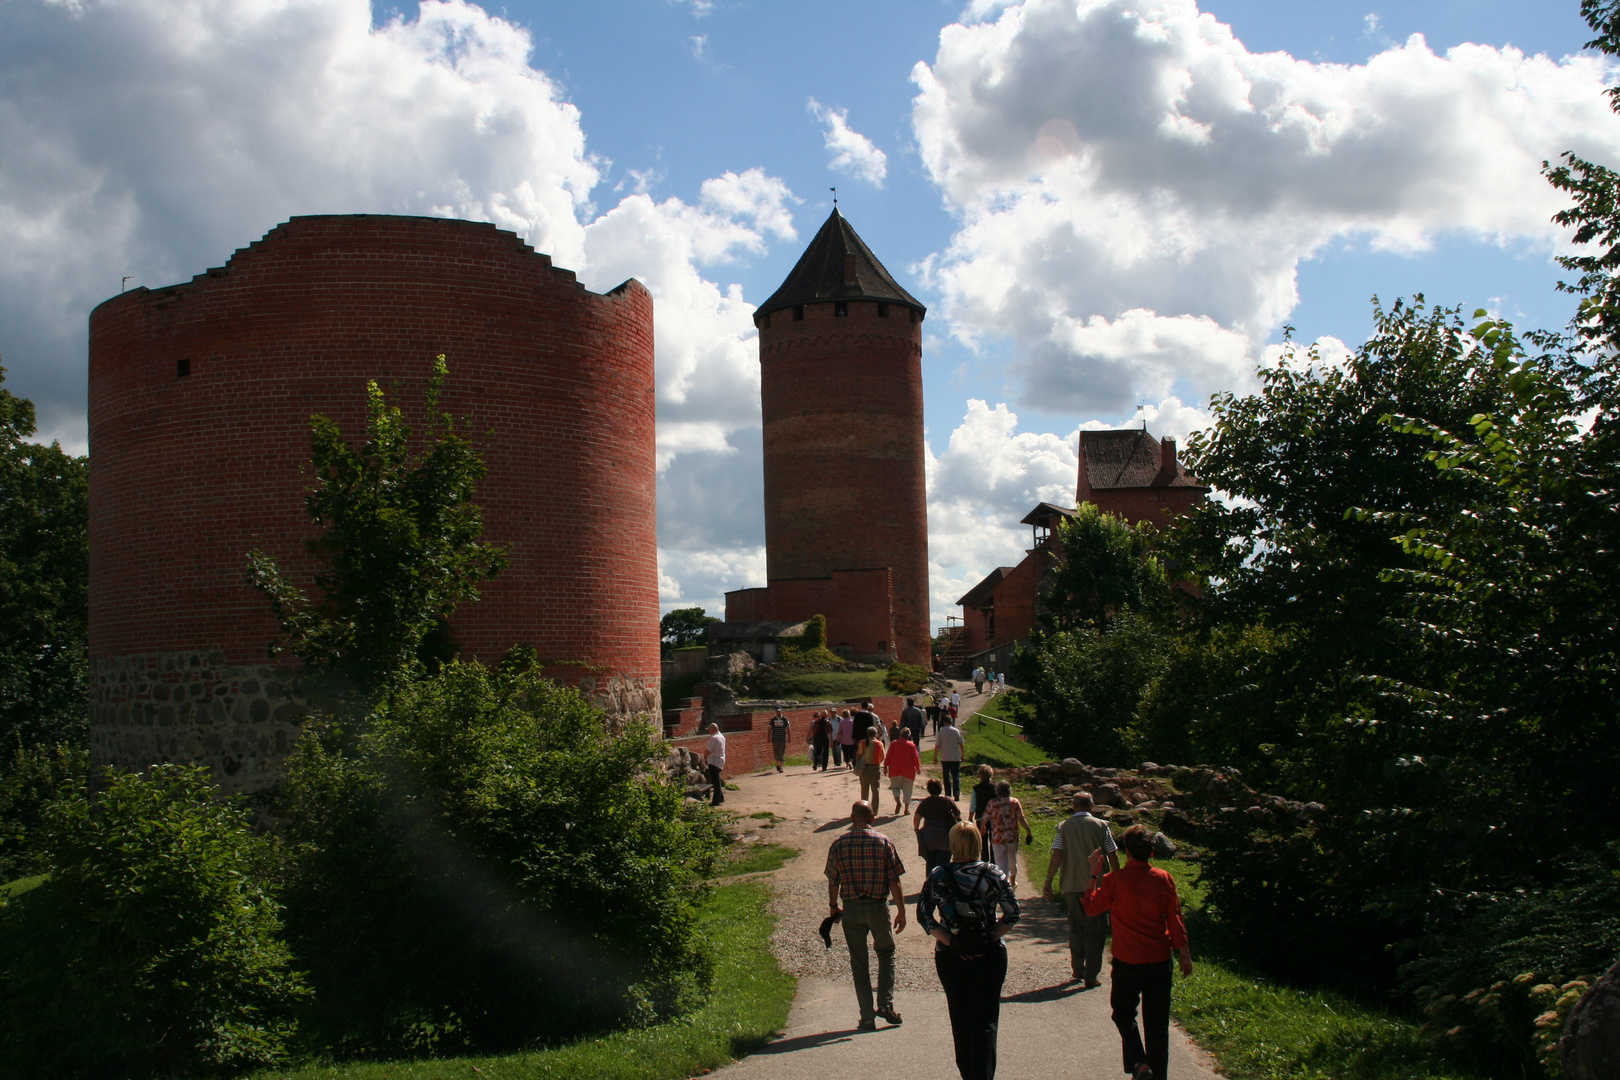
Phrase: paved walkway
(1049, 1028)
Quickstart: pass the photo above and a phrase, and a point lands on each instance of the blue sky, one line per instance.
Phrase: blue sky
(1105, 205)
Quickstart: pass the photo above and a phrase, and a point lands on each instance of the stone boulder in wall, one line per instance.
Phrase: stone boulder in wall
(1590, 1046)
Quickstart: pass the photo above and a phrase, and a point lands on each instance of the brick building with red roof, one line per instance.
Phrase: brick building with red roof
(1127, 473)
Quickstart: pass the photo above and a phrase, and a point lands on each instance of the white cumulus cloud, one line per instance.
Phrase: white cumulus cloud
(1134, 189)
(852, 153)
(151, 138)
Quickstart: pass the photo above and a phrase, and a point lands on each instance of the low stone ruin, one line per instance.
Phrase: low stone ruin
(685, 768)
(1183, 802)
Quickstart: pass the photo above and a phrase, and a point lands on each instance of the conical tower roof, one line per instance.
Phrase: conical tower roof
(837, 266)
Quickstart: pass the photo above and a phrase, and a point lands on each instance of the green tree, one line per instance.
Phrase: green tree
(684, 627)
(400, 546)
(1105, 567)
(44, 568)
(1099, 646)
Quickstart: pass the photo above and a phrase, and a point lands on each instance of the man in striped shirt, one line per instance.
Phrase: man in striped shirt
(864, 870)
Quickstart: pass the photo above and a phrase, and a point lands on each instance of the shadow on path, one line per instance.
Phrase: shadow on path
(820, 1038)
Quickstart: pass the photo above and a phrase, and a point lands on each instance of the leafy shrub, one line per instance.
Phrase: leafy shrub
(815, 633)
(152, 948)
(33, 777)
(485, 866)
(799, 657)
(906, 678)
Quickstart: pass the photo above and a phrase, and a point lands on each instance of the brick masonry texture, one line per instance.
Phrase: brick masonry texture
(748, 741)
(200, 399)
(842, 406)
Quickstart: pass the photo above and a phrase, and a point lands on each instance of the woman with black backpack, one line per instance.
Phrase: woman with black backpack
(968, 906)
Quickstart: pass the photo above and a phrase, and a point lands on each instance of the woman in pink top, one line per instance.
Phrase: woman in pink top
(903, 764)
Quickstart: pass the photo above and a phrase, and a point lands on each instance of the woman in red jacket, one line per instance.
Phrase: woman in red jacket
(1147, 927)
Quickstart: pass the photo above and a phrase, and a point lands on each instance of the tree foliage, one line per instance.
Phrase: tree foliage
(400, 547)
(1098, 647)
(44, 569)
(684, 627)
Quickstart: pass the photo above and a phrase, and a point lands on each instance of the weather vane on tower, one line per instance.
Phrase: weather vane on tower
(834, 190)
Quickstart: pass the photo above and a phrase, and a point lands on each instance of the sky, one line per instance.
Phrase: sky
(1112, 208)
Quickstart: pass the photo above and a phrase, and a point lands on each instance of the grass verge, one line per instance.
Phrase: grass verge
(750, 1003)
(22, 885)
(759, 859)
(996, 745)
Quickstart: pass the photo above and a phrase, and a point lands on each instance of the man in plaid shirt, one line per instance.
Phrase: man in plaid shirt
(864, 870)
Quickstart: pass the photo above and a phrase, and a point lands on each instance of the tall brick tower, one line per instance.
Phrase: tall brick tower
(846, 522)
(200, 399)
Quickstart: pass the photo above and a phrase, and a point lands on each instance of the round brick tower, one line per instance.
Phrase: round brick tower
(200, 399)
(840, 351)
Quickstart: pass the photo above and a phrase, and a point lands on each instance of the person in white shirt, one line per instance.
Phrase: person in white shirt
(956, 701)
(978, 680)
(714, 758)
(949, 742)
(837, 745)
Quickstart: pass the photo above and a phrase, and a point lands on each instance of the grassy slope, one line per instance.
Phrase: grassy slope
(1256, 1028)
(750, 1003)
(828, 685)
(22, 885)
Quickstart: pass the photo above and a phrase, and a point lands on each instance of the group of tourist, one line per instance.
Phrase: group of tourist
(969, 903)
(994, 681)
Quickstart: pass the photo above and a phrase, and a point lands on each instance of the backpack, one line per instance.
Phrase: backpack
(972, 922)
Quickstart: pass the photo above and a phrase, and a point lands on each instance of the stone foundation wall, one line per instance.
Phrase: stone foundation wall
(241, 722)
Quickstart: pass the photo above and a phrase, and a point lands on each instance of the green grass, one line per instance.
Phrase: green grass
(22, 885)
(750, 1003)
(997, 745)
(1007, 706)
(825, 685)
(759, 859)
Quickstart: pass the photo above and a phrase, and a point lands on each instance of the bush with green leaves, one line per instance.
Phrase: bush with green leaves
(482, 864)
(906, 678)
(30, 780)
(153, 948)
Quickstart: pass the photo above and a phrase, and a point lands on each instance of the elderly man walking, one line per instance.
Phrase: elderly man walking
(714, 760)
(864, 871)
(1076, 839)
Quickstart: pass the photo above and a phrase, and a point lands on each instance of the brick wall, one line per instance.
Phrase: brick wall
(1158, 506)
(748, 744)
(200, 398)
(842, 407)
(858, 604)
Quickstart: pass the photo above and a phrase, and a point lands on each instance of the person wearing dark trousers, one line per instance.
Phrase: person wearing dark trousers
(949, 744)
(932, 823)
(1147, 926)
(714, 763)
(968, 905)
